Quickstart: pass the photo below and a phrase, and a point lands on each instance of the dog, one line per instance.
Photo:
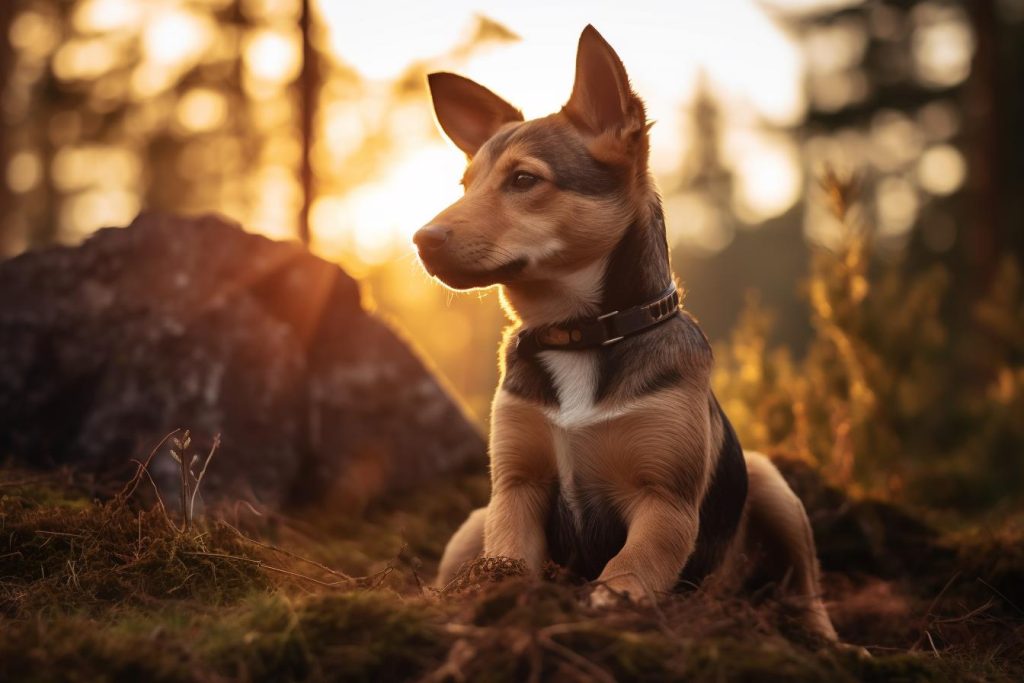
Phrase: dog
(609, 454)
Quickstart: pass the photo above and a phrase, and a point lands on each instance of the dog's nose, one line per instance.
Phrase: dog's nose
(431, 237)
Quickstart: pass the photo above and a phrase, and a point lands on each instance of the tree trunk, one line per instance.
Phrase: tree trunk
(983, 130)
(309, 83)
(7, 11)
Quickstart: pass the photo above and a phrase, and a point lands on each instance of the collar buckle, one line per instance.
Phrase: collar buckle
(609, 332)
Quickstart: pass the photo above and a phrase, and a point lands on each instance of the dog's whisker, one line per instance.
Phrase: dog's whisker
(498, 256)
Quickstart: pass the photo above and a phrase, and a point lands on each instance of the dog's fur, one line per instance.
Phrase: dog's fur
(617, 463)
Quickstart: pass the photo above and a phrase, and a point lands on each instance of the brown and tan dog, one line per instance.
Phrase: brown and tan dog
(609, 453)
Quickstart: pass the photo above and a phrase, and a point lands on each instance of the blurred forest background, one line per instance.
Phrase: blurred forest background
(874, 327)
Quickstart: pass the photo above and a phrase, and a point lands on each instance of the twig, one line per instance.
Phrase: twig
(926, 619)
(263, 565)
(970, 615)
(183, 467)
(885, 648)
(269, 567)
(381, 576)
(563, 629)
(288, 553)
(407, 558)
(74, 575)
(57, 533)
(133, 483)
(138, 545)
(199, 479)
(459, 654)
(464, 630)
(159, 500)
(942, 592)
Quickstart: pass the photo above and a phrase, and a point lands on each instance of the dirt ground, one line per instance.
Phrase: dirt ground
(115, 591)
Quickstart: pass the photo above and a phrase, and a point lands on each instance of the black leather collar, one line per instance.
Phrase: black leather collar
(603, 330)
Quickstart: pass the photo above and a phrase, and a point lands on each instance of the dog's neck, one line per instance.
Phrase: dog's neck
(636, 271)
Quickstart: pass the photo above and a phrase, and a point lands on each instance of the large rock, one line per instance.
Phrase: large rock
(175, 322)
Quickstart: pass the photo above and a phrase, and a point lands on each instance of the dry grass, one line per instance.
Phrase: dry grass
(109, 591)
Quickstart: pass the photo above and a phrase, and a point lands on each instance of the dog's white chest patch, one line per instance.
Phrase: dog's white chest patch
(575, 375)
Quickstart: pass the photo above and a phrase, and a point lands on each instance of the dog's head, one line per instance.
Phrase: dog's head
(543, 197)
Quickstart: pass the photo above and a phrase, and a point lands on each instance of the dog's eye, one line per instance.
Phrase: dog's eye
(521, 180)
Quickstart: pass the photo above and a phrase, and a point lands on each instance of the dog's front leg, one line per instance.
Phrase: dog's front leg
(523, 474)
(661, 536)
(515, 524)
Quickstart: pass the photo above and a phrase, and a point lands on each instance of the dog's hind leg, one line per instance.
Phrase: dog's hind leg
(465, 545)
(777, 538)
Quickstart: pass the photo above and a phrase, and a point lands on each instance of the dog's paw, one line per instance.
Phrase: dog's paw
(601, 598)
(855, 650)
(617, 591)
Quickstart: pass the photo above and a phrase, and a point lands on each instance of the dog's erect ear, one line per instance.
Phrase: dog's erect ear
(601, 98)
(468, 112)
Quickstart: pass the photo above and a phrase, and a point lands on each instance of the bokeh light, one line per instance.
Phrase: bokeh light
(197, 105)
(24, 171)
(942, 44)
(201, 110)
(942, 169)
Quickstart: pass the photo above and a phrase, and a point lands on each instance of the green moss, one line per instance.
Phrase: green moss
(42, 491)
(628, 655)
(350, 637)
(78, 648)
(66, 556)
(754, 660)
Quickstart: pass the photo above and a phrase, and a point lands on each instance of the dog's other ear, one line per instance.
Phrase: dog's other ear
(601, 98)
(468, 112)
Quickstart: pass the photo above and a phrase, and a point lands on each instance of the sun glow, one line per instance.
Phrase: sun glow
(666, 47)
(376, 221)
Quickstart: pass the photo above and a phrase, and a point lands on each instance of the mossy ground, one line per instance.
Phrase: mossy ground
(107, 591)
